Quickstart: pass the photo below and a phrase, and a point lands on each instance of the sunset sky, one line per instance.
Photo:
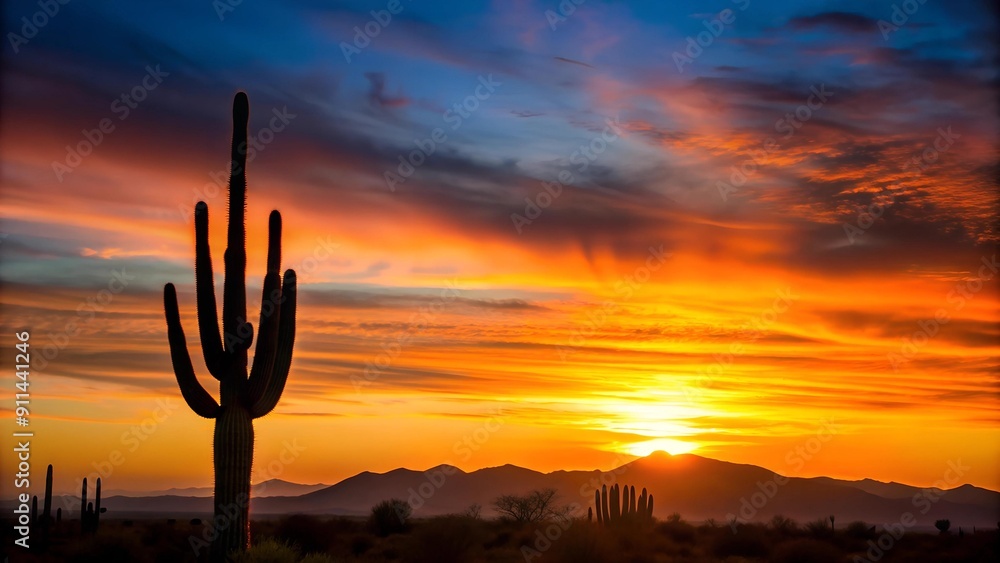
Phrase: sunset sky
(658, 301)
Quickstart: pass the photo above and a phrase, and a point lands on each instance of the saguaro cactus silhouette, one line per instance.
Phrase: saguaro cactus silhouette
(243, 396)
(617, 505)
(90, 512)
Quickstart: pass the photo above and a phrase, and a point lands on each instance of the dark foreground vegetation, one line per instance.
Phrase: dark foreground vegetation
(467, 538)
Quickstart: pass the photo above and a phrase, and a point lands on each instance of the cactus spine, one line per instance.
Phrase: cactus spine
(243, 396)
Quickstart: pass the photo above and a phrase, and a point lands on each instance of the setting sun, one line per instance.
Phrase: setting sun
(669, 445)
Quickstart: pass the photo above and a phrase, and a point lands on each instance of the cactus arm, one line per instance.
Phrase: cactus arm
(283, 354)
(208, 313)
(197, 398)
(267, 339)
(234, 299)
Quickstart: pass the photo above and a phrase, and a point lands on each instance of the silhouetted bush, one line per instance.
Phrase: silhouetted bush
(819, 528)
(269, 551)
(783, 524)
(859, 530)
(677, 530)
(942, 525)
(390, 517)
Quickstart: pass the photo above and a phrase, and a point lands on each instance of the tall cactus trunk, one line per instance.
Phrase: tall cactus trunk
(233, 458)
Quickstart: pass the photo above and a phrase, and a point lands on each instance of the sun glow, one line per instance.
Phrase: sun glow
(669, 445)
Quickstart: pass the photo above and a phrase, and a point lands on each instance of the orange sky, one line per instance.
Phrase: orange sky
(640, 311)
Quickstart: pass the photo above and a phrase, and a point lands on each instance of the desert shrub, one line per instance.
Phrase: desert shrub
(308, 533)
(269, 551)
(859, 530)
(819, 528)
(677, 530)
(445, 539)
(390, 517)
(805, 551)
(783, 524)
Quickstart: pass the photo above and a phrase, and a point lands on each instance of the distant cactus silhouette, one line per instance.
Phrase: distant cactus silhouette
(42, 526)
(243, 397)
(90, 512)
(616, 505)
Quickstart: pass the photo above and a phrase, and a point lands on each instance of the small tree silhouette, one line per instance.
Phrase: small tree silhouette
(535, 506)
(942, 525)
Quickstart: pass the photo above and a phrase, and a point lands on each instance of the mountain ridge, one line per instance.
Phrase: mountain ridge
(694, 486)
